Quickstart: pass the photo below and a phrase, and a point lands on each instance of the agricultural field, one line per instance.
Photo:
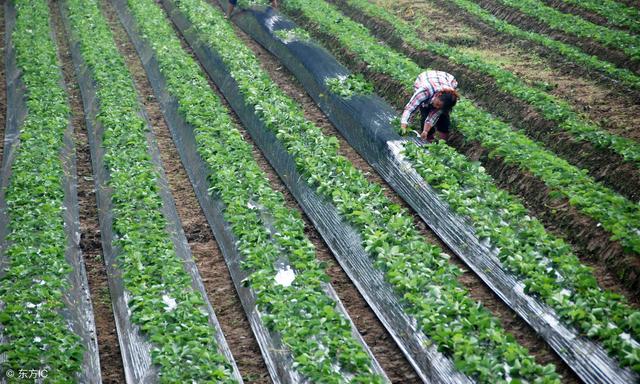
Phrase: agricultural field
(188, 196)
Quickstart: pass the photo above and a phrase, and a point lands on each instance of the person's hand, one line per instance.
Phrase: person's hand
(403, 129)
(425, 131)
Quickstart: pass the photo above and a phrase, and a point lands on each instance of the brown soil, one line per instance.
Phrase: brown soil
(3, 91)
(593, 17)
(477, 289)
(604, 164)
(529, 23)
(90, 241)
(611, 109)
(211, 265)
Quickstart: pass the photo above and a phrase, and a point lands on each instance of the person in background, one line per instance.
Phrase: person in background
(435, 94)
(233, 3)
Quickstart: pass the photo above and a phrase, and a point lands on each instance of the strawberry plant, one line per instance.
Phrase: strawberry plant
(420, 272)
(296, 34)
(317, 335)
(348, 86)
(162, 301)
(575, 25)
(525, 246)
(36, 274)
(549, 106)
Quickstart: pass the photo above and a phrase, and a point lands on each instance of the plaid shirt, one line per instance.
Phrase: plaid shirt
(426, 86)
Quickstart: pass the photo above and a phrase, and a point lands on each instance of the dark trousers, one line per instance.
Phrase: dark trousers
(442, 124)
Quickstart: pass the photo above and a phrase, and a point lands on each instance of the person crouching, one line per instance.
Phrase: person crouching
(435, 94)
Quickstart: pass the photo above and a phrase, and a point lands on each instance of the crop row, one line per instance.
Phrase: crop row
(419, 272)
(32, 286)
(575, 25)
(617, 214)
(318, 336)
(161, 298)
(525, 246)
(549, 106)
(570, 52)
(615, 12)
(545, 263)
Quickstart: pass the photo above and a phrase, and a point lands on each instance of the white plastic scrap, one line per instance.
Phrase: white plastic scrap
(285, 277)
(170, 303)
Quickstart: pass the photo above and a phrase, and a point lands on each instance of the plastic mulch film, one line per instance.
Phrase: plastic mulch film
(365, 121)
(342, 239)
(78, 311)
(134, 346)
(277, 358)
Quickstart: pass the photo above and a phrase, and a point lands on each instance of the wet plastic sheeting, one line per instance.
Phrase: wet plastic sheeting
(134, 346)
(365, 123)
(341, 238)
(277, 358)
(78, 311)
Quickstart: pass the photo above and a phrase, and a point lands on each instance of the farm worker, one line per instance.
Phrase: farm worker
(233, 3)
(435, 94)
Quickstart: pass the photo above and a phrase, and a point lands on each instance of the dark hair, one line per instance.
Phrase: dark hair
(449, 100)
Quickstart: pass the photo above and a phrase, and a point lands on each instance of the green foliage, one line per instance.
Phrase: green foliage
(251, 3)
(525, 245)
(318, 336)
(575, 25)
(571, 53)
(347, 86)
(296, 34)
(549, 106)
(616, 13)
(544, 263)
(420, 272)
(153, 274)
(36, 276)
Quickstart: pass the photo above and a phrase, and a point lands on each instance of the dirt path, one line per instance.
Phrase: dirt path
(209, 259)
(90, 243)
(478, 290)
(605, 105)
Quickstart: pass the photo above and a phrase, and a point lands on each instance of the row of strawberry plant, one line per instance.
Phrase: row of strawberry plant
(549, 106)
(577, 26)
(564, 284)
(318, 336)
(162, 301)
(617, 214)
(617, 13)
(570, 52)
(32, 286)
(545, 263)
(419, 271)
